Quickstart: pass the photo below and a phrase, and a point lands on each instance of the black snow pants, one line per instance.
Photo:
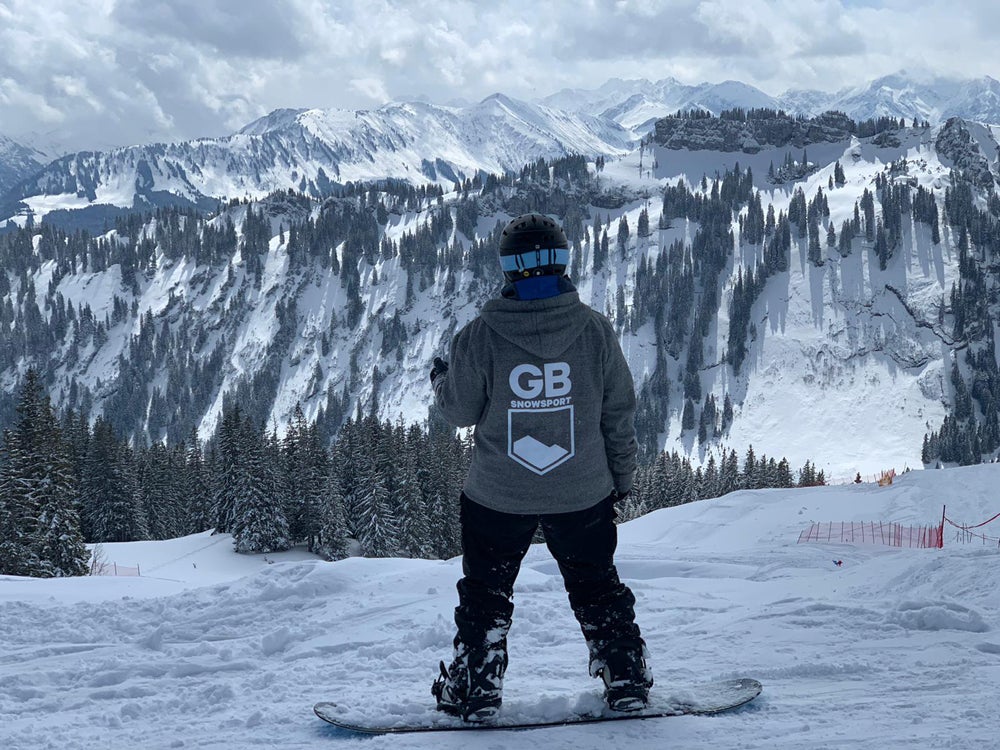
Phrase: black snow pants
(583, 544)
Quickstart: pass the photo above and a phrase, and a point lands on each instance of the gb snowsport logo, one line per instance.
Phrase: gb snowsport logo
(540, 433)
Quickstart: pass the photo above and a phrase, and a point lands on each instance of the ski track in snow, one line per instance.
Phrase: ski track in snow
(896, 648)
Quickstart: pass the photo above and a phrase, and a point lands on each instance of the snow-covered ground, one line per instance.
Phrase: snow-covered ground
(895, 648)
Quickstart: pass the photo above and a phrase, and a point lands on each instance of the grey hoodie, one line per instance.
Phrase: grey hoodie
(547, 387)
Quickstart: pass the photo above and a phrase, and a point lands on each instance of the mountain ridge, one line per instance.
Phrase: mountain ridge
(311, 150)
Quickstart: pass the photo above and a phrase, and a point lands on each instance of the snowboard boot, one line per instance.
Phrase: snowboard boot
(472, 687)
(627, 679)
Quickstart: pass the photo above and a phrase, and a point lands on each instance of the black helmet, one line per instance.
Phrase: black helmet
(533, 245)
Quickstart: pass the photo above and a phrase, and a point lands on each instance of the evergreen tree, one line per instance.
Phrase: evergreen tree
(109, 495)
(317, 468)
(749, 468)
(414, 533)
(377, 523)
(159, 491)
(838, 175)
(727, 413)
(259, 523)
(197, 492)
(623, 236)
(297, 480)
(815, 251)
(333, 540)
(60, 539)
(228, 471)
(687, 417)
(38, 513)
(643, 225)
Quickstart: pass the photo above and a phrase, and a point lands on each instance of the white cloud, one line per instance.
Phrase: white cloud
(372, 88)
(118, 71)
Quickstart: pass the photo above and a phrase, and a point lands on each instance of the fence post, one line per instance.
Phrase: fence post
(941, 542)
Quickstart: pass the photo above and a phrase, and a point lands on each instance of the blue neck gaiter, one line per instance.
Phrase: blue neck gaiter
(538, 287)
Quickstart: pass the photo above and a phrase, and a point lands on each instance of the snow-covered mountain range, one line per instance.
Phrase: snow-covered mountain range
(848, 349)
(636, 104)
(313, 150)
(386, 275)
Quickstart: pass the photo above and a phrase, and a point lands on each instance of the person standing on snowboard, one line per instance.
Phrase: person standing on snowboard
(543, 379)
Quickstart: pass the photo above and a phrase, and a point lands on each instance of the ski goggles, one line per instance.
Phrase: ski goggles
(534, 259)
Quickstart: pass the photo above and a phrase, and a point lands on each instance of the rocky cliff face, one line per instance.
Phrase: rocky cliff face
(957, 145)
(750, 134)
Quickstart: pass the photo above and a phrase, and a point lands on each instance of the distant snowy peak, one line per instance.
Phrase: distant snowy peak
(637, 103)
(900, 95)
(609, 95)
(276, 120)
(17, 162)
(729, 95)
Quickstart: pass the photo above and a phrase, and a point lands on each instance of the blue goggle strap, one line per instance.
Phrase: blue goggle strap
(535, 259)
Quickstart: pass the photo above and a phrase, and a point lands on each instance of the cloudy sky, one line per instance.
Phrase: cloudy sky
(93, 73)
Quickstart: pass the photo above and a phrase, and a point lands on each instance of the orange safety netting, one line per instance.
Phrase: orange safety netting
(874, 532)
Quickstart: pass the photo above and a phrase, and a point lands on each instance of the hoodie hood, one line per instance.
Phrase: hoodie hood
(543, 327)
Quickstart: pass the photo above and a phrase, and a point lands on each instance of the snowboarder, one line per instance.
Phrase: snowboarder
(543, 379)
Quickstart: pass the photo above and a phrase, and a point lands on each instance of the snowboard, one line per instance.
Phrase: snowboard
(700, 699)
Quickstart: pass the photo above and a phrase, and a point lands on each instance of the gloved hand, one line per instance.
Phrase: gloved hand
(440, 367)
(619, 497)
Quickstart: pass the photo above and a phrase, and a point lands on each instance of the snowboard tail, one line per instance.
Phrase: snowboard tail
(702, 699)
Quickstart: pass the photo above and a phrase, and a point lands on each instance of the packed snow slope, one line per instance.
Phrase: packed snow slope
(895, 648)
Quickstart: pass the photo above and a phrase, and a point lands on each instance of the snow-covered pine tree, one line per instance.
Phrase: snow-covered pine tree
(710, 481)
(109, 504)
(377, 522)
(259, 523)
(414, 531)
(333, 539)
(317, 463)
(59, 540)
(37, 494)
(159, 489)
(749, 469)
(439, 492)
(294, 465)
(306, 464)
(659, 482)
(345, 467)
(729, 473)
(17, 556)
(228, 471)
(635, 505)
(197, 494)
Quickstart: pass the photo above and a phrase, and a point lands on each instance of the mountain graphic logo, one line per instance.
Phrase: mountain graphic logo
(541, 439)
